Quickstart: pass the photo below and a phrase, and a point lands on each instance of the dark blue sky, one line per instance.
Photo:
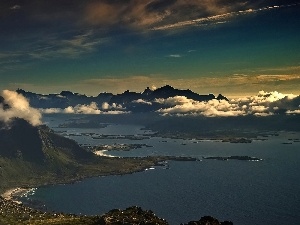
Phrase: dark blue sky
(229, 47)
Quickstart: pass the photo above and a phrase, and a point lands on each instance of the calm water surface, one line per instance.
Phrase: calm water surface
(246, 192)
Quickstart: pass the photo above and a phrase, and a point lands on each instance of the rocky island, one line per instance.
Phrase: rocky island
(243, 158)
(120, 147)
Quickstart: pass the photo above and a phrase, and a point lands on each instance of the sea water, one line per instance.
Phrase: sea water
(245, 192)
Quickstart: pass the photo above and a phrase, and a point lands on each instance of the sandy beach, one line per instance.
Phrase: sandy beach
(103, 153)
(12, 193)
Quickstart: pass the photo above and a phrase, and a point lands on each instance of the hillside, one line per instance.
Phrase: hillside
(33, 156)
(16, 214)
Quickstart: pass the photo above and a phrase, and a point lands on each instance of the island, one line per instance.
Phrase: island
(119, 147)
(244, 158)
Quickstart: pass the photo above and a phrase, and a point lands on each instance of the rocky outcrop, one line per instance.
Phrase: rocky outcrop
(14, 213)
(208, 220)
(131, 216)
(243, 158)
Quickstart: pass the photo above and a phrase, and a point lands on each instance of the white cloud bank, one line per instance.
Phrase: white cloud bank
(262, 104)
(142, 101)
(18, 108)
(92, 108)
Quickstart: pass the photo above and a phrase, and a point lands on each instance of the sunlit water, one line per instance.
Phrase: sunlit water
(246, 192)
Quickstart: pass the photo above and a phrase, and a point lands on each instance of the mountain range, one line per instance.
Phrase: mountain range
(129, 100)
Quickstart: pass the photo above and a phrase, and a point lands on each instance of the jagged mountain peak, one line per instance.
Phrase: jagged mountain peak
(127, 99)
(221, 97)
(147, 91)
(66, 93)
(166, 87)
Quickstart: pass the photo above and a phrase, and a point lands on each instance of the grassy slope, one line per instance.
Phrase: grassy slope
(55, 159)
(19, 173)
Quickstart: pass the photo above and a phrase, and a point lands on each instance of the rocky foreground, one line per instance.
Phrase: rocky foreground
(13, 213)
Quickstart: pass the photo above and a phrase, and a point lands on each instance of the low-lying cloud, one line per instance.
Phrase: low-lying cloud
(91, 109)
(181, 105)
(142, 101)
(262, 104)
(113, 106)
(18, 107)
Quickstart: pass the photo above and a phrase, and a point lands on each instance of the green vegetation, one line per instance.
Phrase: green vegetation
(60, 169)
(35, 156)
(16, 214)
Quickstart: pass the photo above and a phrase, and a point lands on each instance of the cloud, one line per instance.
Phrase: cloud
(72, 44)
(51, 110)
(18, 108)
(15, 7)
(293, 111)
(142, 101)
(132, 13)
(174, 56)
(91, 109)
(216, 12)
(183, 105)
(269, 103)
(80, 27)
(115, 112)
(156, 14)
(262, 104)
(173, 101)
(106, 106)
(137, 14)
(72, 47)
(153, 88)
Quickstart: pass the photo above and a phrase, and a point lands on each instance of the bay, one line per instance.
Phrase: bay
(246, 192)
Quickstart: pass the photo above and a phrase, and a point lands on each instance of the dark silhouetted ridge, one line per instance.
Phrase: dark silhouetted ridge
(127, 99)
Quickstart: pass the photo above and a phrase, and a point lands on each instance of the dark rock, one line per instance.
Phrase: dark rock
(208, 220)
(245, 158)
(133, 215)
(221, 97)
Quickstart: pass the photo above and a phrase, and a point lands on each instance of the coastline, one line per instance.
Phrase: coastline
(12, 193)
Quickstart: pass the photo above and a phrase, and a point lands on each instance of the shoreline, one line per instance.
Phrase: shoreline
(12, 193)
